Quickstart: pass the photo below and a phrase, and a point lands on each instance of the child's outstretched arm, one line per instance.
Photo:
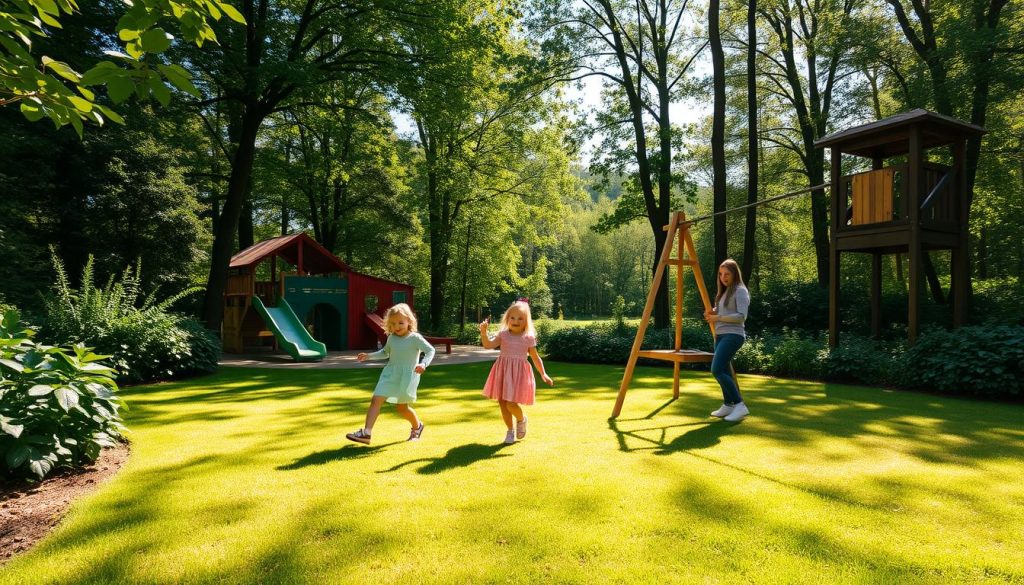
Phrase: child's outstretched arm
(539, 364)
(485, 339)
(381, 354)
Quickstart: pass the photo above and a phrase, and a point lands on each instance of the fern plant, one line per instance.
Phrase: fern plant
(146, 340)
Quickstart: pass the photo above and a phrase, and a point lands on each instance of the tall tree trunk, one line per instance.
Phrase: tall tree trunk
(465, 277)
(718, 132)
(749, 233)
(224, 235)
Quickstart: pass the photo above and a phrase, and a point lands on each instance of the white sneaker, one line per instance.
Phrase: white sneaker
(510, 437)
(722, 411)
(739, 412)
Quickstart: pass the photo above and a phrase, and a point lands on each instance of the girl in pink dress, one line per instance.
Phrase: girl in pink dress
(511, 380)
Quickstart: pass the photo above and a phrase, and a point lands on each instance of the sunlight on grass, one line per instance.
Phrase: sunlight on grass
(245, 476)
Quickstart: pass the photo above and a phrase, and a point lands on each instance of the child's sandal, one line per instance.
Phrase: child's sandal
(414, 434)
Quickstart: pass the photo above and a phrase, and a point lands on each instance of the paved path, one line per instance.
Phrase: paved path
(461, 354)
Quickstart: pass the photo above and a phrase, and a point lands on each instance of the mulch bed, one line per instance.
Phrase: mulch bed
(29, 511)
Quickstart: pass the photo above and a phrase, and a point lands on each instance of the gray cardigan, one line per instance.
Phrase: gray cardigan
(733, 306)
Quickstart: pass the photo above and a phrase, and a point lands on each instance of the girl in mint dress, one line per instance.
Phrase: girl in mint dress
(401, 376)
(511, 380)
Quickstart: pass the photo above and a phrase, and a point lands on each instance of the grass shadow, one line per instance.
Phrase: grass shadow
(340, 454)
(461, 456)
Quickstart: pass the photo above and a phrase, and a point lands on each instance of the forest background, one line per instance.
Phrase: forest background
(483, 151)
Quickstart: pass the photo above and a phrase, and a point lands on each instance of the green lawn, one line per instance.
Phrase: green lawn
(245, 477)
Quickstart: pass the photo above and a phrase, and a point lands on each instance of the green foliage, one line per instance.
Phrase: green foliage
(57, 407)
(980, 361)
(52, 89)
(145, 340)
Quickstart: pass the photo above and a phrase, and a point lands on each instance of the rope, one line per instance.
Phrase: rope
(761, 202)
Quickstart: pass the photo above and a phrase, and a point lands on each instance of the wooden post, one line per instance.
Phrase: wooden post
(299, 266)
(666, 251)
(959, 271)
(833, 264)
(679, 312)
(876, 294)
(914, 252)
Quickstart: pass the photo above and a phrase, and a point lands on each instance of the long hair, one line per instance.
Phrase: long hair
(525, 308)
(403, 310)
(737, 279)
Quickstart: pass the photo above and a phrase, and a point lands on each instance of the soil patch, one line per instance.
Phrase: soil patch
(29, 511)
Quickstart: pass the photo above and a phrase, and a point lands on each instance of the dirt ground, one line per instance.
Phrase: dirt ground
(29, 511)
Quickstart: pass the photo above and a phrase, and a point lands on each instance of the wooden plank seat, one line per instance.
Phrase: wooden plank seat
(686, 356)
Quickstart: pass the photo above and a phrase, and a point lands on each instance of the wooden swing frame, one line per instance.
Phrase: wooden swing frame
(686, 255)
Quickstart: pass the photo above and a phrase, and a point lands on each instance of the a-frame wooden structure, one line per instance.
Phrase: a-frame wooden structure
(686, 255)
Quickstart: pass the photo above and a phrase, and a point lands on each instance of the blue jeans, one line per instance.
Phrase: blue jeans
(726, 346)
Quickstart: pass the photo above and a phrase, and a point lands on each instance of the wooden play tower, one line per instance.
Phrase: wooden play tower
(910, 207)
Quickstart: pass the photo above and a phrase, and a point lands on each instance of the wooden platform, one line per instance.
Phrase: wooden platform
(684, 356)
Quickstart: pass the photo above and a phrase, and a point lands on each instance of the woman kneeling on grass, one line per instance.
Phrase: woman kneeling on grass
(401, 377)
(729, 314)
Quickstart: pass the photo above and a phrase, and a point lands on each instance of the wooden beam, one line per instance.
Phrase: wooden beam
(876, 295)
(914, 182)
(833, 264)
(666, 252)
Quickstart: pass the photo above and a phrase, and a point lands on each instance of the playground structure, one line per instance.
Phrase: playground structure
(262, 301)
(909, 207)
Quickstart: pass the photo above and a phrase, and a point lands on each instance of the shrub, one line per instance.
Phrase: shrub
(57, 407)
(146, 342)
(980, 361)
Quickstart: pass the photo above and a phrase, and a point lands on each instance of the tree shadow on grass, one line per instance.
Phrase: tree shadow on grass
(461, 456)
(340, 454)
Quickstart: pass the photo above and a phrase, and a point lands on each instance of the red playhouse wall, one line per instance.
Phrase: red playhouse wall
(359, 286)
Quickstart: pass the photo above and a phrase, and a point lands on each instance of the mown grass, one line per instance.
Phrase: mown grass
(245, 477)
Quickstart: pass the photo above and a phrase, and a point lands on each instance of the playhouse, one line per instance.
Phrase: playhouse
(291, 286)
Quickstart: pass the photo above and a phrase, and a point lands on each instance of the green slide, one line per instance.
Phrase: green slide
(291, 335)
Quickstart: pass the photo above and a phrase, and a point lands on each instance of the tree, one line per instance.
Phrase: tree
(815, 33)
(636, 48)
(48, 88)
(258, 70)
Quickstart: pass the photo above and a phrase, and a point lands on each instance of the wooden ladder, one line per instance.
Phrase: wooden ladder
(686, 256)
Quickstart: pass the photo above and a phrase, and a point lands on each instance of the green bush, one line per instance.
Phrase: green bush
(57, 407)
(145, 340)
(979, 361)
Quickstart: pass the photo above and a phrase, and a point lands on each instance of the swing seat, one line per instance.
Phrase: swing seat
(686, 356)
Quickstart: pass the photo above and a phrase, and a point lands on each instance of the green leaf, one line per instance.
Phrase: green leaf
(67, 398)
(81, 104)
(46, 6)
(17, 456)
(127, 34)
(160, 91)
(120, 88)
(110, 114)
(232, 12)
(12, 365)
(40, 467)
(32, 112)
(155, 40)
(62, 69)
(40, 390)
(10, 428)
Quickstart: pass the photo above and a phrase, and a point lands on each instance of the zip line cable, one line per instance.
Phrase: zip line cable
(761, 202)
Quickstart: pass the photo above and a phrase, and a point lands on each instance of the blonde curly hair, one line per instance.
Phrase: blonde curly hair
(403, 310)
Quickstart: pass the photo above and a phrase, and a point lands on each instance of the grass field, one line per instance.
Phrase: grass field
(245, 477)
